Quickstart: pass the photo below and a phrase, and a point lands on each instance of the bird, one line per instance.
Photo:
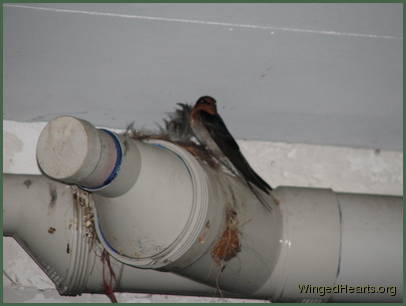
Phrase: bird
(211, 131)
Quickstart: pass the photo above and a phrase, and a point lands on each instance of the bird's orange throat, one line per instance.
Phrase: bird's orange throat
(204, 108)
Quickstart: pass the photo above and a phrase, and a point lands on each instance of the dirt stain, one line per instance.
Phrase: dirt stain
(27, 183)
(53, 195)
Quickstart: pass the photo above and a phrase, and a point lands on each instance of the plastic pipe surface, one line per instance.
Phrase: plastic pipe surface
(51, 221)
(165, 210)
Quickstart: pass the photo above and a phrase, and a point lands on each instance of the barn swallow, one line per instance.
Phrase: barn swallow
(210, 130)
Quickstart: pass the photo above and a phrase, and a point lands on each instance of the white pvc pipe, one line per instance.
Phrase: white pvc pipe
(371, 247)
(165, 210)
(369, 252)
(338, 247)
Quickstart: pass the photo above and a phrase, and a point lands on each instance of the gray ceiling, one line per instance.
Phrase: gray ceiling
(311, 73)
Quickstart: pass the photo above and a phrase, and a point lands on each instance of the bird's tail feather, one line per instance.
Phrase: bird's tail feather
(259, 195)
(258, 181)
(251, 176)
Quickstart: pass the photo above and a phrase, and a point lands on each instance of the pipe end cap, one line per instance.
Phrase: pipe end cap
(68, 149)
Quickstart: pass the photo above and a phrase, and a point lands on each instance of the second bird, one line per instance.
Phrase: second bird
(211, 132)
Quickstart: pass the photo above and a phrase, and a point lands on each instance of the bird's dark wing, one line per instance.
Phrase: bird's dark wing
(227, 144)
(218, 131)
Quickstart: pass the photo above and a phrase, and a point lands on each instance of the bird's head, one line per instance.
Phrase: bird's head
(207, 104)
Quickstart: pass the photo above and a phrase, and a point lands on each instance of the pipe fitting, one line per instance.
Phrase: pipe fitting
(166, 211)
(179, 214)
(73, 151)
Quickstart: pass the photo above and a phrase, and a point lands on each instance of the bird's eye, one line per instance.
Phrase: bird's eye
(210, 101)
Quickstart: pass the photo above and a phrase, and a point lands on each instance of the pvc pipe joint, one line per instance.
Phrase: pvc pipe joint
(165, 209)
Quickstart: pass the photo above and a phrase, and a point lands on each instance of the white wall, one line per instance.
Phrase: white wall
(309, 73)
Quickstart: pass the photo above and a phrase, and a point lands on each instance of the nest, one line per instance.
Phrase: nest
(228, 246)
(179, 136)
